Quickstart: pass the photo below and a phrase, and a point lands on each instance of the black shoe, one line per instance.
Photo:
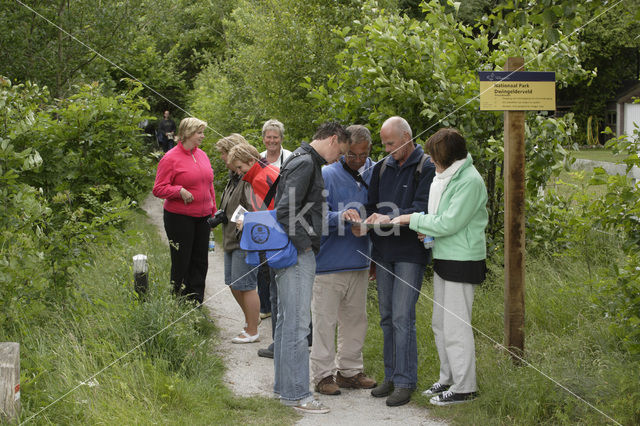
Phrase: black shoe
(449, 398)
(265, 353)
(436, 389)
(382, 390)
(400, 396)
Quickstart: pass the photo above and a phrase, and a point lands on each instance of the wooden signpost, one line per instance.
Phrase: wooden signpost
(515, 91)
(9, 381)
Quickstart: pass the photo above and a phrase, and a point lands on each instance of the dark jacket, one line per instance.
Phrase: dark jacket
(397, 188)
(234, 194)
(299, 199)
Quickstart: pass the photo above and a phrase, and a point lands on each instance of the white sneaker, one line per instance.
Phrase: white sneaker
(245, 337)
(312, 407)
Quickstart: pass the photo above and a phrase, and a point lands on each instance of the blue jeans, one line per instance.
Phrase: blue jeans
(291, 349)
(399, 285)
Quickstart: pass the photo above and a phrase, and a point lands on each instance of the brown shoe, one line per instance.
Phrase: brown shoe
(359, 381)
(327, 386)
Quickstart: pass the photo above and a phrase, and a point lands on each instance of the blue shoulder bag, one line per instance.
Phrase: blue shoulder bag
(263, 233)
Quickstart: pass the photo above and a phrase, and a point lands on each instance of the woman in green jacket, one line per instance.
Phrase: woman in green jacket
(456, 219)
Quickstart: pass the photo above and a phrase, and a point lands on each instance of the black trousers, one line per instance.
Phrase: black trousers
(189, 245)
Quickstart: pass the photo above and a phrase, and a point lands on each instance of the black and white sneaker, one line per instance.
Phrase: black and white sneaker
(436, 389)
(449, 398)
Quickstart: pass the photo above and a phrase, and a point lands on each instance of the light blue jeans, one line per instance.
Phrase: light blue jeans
(399, 285)
(291, 348)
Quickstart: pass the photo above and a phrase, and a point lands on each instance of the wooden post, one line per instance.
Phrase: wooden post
(514, 238)
(9, 381)
(140, 275)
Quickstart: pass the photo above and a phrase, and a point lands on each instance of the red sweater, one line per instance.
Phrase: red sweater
(192, 171)
(261, 176)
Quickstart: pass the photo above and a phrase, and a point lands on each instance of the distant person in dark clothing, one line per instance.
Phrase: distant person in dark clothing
(165, 131)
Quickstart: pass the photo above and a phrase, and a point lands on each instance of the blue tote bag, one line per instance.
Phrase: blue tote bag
(262, 232)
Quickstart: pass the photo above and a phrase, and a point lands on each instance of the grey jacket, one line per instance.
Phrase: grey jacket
(300, 198)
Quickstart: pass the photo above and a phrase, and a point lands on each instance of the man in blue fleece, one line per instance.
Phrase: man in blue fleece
(399, 185)
(340, 287)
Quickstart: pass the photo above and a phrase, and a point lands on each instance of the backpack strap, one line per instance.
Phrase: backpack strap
(416, 173)
(271, 193)
(274, 187)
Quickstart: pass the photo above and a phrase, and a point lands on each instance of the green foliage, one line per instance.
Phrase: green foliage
(609, 48)
(272, 47)
(567, 338)
(113, 359)
(91, 139)
(44, 41)
(163, 43)
(69, 172)
(583, 225)
(426, 70)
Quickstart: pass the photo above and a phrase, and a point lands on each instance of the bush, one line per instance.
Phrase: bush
(69, 170)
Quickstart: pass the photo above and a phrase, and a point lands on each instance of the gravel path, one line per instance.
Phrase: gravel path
(249, 375)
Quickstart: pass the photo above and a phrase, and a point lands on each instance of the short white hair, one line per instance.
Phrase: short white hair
(273, 124)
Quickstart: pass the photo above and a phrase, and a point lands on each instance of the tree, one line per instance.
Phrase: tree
(426, 71)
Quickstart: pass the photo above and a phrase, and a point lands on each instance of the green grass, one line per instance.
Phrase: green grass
(570, 182)
(172, 378)
(598, 155)
(566, 337)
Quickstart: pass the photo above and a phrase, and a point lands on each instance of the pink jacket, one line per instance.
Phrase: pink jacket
(192, 171)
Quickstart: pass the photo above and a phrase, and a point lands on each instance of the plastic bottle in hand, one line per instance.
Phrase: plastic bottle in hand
(428, 242)
(212, 244)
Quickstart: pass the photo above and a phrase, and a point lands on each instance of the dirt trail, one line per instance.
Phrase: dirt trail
(249, 375)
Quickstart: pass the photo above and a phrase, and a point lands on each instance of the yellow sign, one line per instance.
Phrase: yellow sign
(517, 91)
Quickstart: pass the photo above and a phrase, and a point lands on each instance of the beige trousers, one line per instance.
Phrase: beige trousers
(451, 324)
(340, 300)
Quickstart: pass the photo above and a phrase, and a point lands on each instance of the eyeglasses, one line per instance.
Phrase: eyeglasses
(352, 156)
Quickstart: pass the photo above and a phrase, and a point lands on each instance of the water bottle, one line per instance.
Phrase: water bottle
(428, 242)
(212, 244)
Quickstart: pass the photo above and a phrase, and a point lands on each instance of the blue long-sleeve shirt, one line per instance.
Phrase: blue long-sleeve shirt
(339, 251)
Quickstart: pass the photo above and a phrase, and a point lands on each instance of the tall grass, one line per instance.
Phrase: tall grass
(567, 338)
(154, 358)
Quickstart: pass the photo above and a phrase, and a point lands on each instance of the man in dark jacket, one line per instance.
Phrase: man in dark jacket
(301, 205)
(165, 131)
(399, 185)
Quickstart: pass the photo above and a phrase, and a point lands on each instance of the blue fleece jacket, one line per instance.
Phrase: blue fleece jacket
(339, 250)
(399, 195)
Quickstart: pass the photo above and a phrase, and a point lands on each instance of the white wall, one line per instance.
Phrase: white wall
(631, 118)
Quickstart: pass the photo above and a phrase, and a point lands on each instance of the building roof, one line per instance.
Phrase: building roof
(628, 91)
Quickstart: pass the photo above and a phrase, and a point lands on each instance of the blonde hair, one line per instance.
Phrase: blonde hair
(225, 144)
(244, 153)
(189, 126)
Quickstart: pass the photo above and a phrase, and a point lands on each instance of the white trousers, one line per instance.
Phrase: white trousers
(451, 324)
(340, 300)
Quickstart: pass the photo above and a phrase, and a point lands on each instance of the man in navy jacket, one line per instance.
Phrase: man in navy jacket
(342, 269)
(399, 185)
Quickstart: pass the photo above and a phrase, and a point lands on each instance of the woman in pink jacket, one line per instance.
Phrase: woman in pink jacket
(185, 181)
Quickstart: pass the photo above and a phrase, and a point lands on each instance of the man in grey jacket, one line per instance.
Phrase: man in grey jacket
(301, 204)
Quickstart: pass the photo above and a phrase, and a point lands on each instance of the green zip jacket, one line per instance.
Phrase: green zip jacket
(458, 227)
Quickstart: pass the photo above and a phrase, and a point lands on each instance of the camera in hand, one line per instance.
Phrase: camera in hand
(219, 217)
